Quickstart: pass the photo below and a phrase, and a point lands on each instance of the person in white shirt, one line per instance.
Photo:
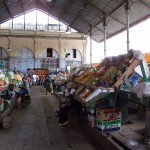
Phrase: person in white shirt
(34, 79)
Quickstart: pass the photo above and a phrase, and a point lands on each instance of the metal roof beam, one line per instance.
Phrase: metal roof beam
(108, 13)
(66, 5)
(145, 4)
(44, 4)
(80, 11)
(22, 6)
(131, 25)
(7, 9)
(118, 20)
(101, 30)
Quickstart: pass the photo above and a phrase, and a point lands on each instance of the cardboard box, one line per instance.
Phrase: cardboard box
(108, 126)
(108, 114)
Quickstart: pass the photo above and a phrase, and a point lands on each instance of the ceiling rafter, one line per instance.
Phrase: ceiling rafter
(87, 28)
(145, 4)
(44, 4)
(117, 20)
(83, 14)
(101, 30)
(131, 25)
(64, 9)
(7, 9)
(36, 4)
(80, 11)
(95, 27)
(22, 7)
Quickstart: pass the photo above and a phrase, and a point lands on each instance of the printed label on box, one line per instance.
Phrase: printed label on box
(107, 114)
(108, 126)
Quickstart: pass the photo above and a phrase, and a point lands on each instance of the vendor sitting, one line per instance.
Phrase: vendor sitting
(25, 84)
(64, 107)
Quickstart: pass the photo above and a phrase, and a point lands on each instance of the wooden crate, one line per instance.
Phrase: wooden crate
(128, 72)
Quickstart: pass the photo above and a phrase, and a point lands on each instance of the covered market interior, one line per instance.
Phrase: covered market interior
(111, 99)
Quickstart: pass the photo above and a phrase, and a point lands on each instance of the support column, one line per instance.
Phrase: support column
(9, 49)
(90, 44)
(36, 19)
(59, 57)
(126, 5)
(34, 50)
(12, 27)
(84, 52)
(48, 22)
(104, 26)
(59, 26)
(24, 22)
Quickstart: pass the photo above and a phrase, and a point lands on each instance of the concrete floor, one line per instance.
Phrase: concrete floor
(132, 135)
(36, 128)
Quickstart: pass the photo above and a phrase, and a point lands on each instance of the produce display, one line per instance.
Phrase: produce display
(8, 77)
(87, 92)
(42, 73)
(105, 75)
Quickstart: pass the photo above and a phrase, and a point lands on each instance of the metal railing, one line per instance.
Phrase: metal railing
(48, 27)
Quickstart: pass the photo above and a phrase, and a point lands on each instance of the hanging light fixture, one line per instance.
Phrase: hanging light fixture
(9, 48)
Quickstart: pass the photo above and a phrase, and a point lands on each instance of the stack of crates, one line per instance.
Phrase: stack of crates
(108, 119)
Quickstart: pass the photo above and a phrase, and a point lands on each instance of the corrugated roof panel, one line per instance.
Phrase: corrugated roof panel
(81, 14)
(18, 7)
(92, 13)
(5, 14)
(103, 5)
(79, 25)
(110, 27)
(138, 11)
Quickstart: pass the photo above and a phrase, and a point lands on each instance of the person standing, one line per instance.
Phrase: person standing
(30, 77)
(26, 84)
(34, 79)
(49, 86)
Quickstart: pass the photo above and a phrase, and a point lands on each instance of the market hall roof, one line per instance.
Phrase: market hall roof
(81, 15)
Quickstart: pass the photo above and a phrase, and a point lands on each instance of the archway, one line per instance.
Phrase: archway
(22, 60)
(73, 58)
(49, 59)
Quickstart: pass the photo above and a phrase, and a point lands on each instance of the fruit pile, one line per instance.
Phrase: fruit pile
(104, 75)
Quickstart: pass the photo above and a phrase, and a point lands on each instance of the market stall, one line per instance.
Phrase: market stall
(106, 90)
(8, 80)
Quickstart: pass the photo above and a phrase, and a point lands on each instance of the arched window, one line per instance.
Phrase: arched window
(49, 59)
(74, 58)
(22, 60)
